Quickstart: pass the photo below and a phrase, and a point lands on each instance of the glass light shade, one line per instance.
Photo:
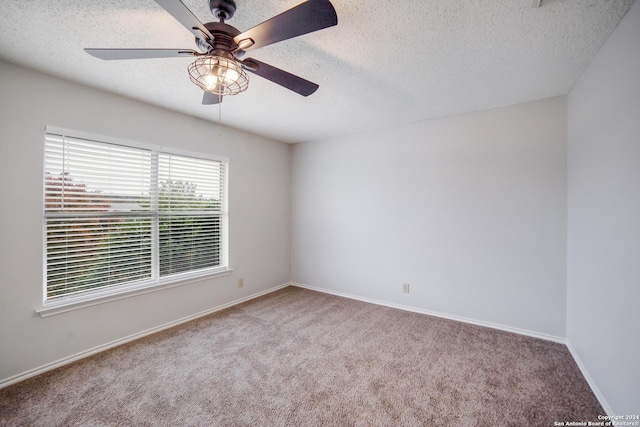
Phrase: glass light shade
(219, 75)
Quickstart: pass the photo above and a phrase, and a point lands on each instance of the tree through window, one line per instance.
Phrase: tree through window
(119, 216)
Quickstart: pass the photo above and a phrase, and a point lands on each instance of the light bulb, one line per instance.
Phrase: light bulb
(231, 76)
(211, 81)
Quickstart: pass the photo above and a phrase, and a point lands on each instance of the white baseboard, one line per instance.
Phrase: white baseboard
(585, 373)
(65, 361)
(436, 314)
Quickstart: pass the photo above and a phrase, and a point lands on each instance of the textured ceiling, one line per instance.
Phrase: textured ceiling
(386, 62)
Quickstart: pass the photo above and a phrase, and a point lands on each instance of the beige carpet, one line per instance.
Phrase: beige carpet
(302, 358)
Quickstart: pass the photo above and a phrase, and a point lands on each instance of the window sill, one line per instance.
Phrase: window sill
(59, 307)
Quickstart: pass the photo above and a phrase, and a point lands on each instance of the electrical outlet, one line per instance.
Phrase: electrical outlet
(240, 283)
(405, 288)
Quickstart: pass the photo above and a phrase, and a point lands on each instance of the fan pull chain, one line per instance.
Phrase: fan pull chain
(219, 116)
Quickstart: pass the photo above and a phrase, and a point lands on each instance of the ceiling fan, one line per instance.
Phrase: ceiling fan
(219, 68)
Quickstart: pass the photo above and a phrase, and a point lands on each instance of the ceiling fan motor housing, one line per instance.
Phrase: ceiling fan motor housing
(222, 9)
(223, 35)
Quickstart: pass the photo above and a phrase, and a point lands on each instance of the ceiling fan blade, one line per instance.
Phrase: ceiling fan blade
(178, 10)
(110, 54)
(312, 15)
(281, 77)
(211, 98)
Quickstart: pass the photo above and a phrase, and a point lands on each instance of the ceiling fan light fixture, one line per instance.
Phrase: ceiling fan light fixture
(219, 75)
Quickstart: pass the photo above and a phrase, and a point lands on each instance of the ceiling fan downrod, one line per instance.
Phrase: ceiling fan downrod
(222, 9)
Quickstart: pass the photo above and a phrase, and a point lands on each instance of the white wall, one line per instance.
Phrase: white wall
(259, 195)
(469, 210)
(603, 320)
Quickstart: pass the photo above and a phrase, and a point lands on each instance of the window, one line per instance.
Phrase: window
(121, 216)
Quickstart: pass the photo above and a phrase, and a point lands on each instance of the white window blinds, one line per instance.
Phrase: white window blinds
(190, 199)
(118, 216)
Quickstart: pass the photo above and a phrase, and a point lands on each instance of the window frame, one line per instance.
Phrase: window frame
(156, 282)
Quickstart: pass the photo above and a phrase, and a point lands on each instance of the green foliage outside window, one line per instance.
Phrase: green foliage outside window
(93, 251)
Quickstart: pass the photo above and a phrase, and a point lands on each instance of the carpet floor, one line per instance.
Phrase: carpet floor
(301, 358)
